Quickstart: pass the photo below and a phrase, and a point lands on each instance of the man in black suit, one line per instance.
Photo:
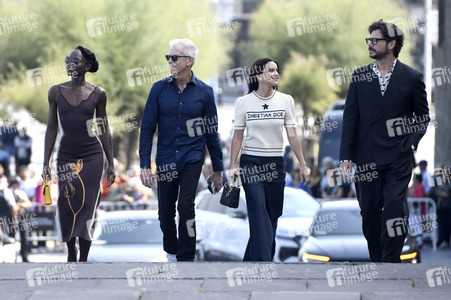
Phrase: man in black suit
(386, 114)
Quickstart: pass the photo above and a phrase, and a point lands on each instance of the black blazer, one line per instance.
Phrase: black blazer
(381, 129)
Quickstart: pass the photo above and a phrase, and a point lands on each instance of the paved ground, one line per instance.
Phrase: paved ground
(85, 281)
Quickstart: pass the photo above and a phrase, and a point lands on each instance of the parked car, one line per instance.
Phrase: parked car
(127, 236)
(223, 232)
(336, 236)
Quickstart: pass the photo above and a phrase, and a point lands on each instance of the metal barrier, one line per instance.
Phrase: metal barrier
(41, 222)
(423, 218)
(41, 218)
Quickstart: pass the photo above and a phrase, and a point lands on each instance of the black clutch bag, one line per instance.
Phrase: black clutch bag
(230, 194)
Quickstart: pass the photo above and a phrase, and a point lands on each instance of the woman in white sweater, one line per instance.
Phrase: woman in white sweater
(264, 112)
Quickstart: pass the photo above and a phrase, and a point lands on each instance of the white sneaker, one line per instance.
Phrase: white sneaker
(171, 257)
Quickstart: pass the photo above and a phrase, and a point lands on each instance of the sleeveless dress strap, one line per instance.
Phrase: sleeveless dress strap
(95, 92)
(59, 88)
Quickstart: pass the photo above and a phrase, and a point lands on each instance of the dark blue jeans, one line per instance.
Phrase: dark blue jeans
(263, 180)
(181, 187)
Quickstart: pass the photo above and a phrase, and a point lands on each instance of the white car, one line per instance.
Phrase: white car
(223, 232)
(127, 236)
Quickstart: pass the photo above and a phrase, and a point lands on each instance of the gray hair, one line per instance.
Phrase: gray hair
(189, 47)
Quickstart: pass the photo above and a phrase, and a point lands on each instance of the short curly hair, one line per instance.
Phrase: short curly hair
(390, 32)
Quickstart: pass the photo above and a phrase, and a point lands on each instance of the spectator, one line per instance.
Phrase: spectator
(297, 182)
(139, 193)
(4, 160)
(22, 155)
(315, 181)
(8, 135)
(327, 191)
(437, 179)
(425, 175)
(289, 163)
(21, 216)
(122, 192)
(7, 203)
(416, 190)
(105, 193)
(27, 183)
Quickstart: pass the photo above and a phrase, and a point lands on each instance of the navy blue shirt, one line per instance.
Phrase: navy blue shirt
(187, 121)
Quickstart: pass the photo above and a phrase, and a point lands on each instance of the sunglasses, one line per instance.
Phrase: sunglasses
(69, 59)
(174, 57)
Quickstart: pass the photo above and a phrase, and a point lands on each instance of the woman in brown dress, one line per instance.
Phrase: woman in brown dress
(75, 106)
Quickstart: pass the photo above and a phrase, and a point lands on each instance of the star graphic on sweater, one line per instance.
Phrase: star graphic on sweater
(265, 106)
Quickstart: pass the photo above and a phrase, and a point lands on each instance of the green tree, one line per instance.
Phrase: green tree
(135, 34)
(335, 29)
(303, 79)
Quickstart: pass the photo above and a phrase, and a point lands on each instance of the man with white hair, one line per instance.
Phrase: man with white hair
(183, 108)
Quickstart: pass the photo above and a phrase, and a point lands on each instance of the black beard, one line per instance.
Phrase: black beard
(379, 55)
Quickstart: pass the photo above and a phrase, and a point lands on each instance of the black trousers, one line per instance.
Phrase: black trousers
(383, 207)
(181, 187)
(264, 189)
